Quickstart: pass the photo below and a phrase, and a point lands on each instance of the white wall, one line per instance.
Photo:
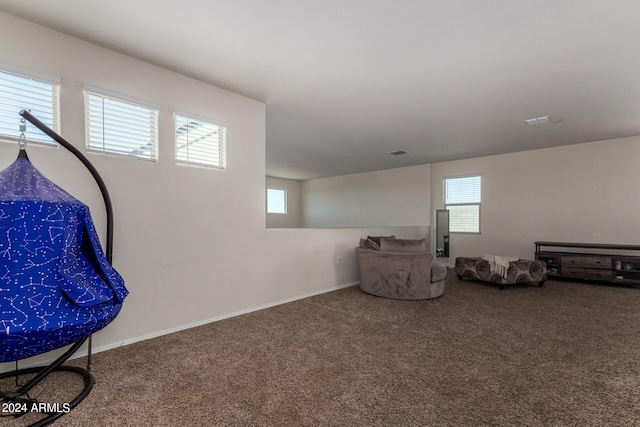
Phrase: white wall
(191, 243)
(576, 193)
(382, 198)
(293, 217)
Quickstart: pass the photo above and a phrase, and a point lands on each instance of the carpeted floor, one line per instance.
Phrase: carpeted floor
(567, 354)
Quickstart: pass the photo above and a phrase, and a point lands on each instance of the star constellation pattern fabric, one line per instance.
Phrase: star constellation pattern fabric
(56, 286)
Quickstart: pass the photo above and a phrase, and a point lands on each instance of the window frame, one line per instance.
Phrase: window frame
(463, 204)
(222, 141)
(152, 109)
(50, 118)
(285, 200)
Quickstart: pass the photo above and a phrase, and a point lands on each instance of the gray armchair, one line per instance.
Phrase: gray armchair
(400, 269)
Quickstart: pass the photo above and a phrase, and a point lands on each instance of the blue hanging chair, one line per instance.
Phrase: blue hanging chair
(56, 285)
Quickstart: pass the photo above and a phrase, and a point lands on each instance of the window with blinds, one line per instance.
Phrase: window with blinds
(276, 200)
(200, 142)
(462, 199)
(38, 95)
(120, 126)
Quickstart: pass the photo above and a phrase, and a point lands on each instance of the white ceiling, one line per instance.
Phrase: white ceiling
(347, 81)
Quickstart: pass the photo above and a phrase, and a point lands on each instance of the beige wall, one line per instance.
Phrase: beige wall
(575, 193)
(293, 217)
(191, 243)
(382, 198)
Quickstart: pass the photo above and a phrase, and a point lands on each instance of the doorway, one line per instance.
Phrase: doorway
(442, 236)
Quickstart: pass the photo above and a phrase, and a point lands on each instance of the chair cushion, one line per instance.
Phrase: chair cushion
(438, 271)
(369, 244)
(403, 245)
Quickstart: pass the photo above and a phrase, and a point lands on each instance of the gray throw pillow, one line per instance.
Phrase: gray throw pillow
(376, 239)
(403, 245)
(369, 244)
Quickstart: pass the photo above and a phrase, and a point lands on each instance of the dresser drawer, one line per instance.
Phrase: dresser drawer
(574, 272)
(573, 261)
(599, 274)
(599, 262)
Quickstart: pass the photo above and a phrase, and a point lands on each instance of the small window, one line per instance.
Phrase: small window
(276, 200)
(38, 95)
(118, 126)
(462, 199)
(200, 142)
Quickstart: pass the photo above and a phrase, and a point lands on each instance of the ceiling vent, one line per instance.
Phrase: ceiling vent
(398, 152)
(538, 120)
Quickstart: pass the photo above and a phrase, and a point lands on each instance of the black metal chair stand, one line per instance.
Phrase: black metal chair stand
(18, 403)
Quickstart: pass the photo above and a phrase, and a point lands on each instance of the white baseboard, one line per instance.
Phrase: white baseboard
(212, 319)
(97, 349)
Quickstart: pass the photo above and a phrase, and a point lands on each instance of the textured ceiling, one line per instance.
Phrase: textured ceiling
(347, 81)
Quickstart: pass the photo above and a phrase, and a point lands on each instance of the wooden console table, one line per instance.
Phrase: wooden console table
(591, 261)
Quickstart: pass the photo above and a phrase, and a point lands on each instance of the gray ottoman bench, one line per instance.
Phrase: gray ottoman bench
(521, 271)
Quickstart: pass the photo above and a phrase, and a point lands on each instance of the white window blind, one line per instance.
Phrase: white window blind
(121, 127)
(462, 199)
(200, 142)
(21, 92)
(276, 200)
